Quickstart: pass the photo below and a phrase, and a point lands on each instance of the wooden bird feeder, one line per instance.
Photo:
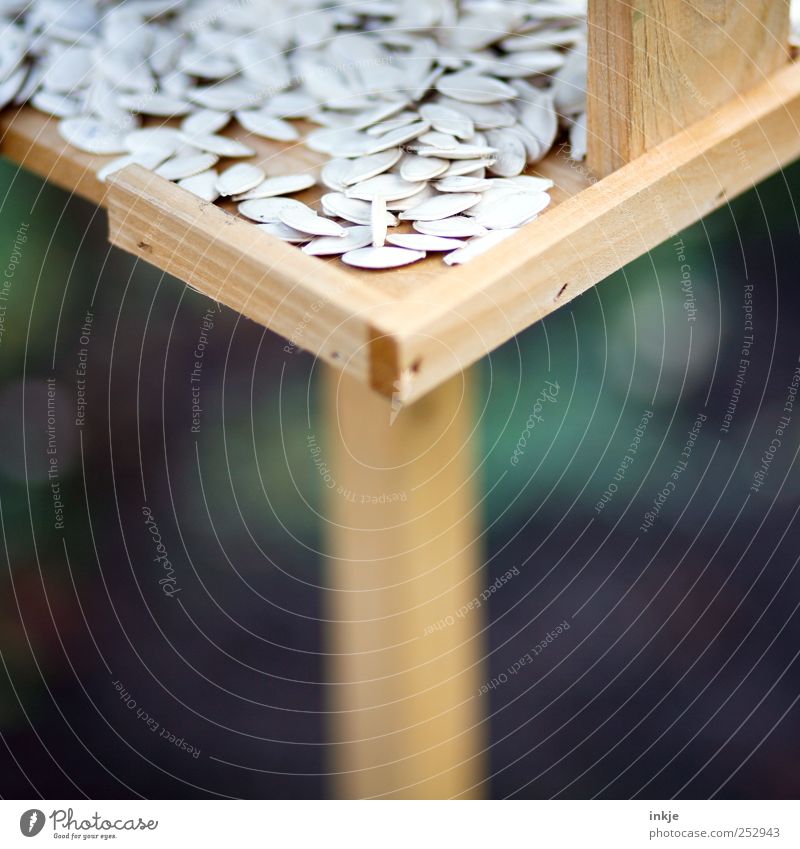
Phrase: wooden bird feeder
(690, 104)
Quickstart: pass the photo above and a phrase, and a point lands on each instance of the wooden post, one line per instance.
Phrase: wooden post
(404, 543)
(657, 66)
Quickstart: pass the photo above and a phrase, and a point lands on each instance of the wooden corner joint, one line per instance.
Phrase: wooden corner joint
(393, 370)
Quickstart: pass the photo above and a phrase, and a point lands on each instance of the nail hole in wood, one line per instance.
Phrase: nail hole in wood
(561, 291)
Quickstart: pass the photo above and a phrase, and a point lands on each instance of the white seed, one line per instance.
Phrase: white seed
(367, 167)
(15, 45)
(463, 184)
(338, 205)
(512, 210)
(395, 138)
(527, 63)
(158, 105)
(291, 104)
(335, 172)
(524, 183)
(267, 210)
(219, 145)
(447, 120)
(419, 168)
(459, 152)
(153, 138)
(578, 138)
(378, 221)
(390, 187)
(226, 96)
(486, 116)
(470, 87)
(92, 136)
(382, 258)
(204, 122)
(288, 184)
(458, 227)
(204, 185)
(376, 115)
(304, 219)
(540, 119)
(467, 166)
(434, 139)
(239, 178)
(410, 202)
(421, 242)
(150, 160)
(356, 237)
(57, 105)
(511, 155)
(401, 120)
(501, 189)
(286, 234)
(181, 167)
(340, 143)
(266, 126)
(442, 206)
(69, 70)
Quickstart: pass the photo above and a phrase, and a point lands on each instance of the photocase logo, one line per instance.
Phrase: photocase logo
(31, 822)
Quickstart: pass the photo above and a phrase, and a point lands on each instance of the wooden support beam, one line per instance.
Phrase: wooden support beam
(658, 66)
(404, 532)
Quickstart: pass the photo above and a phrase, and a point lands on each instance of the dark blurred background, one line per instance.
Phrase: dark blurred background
(679, 673)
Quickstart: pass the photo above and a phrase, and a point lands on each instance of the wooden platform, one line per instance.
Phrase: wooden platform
(406, 331)
(690, 104)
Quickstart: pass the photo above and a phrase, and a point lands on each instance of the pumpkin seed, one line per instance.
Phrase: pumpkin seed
(457, 227)
(239, 178)
(180, 167)
(304, 219)
(204, 185)
(355, 238)
(288, 184)
(382, 258)
(442, 206)
(420, 242)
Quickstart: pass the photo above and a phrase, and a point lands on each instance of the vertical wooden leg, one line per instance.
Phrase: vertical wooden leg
(405, 667)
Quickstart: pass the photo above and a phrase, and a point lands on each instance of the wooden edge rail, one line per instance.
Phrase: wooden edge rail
(471, 310)
(314, 305)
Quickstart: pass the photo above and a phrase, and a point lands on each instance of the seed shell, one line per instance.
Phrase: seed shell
(379, 259)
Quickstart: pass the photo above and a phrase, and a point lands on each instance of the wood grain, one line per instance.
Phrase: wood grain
(407, 719)
(656, 67)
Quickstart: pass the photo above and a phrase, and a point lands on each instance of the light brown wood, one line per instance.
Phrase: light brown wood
(406, 669)
(656, 67)
(421, 325)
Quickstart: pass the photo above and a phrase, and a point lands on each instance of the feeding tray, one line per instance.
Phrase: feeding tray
(690, 104)
(405, 331)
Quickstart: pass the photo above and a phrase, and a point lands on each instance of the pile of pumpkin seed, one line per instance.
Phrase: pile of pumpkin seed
(429, 111)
